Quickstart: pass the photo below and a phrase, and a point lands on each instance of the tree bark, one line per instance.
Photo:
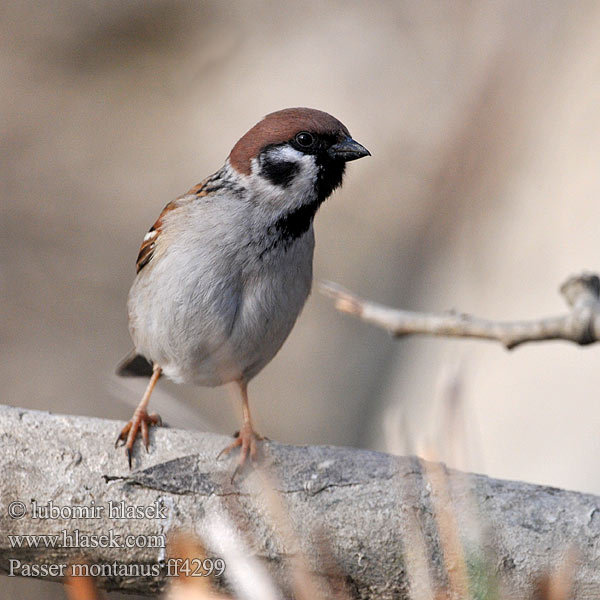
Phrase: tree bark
(371, 524)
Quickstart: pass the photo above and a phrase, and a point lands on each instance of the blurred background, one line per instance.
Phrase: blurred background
(481, 195)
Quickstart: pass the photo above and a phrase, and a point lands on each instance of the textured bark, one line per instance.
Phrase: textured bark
(377, 525)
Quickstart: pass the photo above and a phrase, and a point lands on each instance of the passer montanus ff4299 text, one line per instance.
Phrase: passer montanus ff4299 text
(225, 270)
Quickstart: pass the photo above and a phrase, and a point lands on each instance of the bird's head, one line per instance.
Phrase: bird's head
(296, 156)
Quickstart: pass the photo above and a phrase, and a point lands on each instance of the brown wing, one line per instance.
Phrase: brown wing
(148, 246)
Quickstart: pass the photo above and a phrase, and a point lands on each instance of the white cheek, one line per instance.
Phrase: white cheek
(299, 191)
(307, 175)
(287, 154)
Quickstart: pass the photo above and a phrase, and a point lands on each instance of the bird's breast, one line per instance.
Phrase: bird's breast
(212, 317)
(273, 295)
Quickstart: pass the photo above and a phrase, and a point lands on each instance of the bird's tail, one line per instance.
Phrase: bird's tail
(134, 365)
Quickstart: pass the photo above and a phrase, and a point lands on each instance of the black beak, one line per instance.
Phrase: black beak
(347, 150)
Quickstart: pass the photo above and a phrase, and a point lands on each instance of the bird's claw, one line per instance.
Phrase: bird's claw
(140, 422)
(247, 440)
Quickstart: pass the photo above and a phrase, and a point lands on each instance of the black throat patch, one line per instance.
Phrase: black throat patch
(294, 224)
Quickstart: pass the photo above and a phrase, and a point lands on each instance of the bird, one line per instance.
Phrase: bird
(225, 270)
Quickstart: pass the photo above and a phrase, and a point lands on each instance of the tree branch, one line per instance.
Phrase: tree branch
(580, 326)
(366, 520)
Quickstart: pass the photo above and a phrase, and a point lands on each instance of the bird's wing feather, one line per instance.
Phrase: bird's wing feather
(149, 243)
(148, 246)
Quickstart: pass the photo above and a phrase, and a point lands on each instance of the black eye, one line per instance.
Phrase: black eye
(305, 139)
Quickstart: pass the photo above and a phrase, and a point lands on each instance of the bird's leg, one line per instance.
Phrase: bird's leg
(141, 419)
(247, 437)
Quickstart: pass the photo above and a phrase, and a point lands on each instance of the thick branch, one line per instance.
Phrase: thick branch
(366, 519)
(581, 325)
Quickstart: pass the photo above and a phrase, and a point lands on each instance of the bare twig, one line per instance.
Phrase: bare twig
(581, 325)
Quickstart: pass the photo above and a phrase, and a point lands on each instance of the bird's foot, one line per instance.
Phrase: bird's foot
(247, 439)
(141, 420)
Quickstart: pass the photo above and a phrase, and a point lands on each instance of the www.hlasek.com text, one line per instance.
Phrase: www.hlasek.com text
(81, 539)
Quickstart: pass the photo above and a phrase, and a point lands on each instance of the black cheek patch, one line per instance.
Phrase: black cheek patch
(279, 172)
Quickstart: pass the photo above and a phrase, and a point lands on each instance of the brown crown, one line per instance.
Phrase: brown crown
(279, 127)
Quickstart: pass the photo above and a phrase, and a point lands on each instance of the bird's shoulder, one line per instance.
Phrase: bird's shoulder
(152, 240)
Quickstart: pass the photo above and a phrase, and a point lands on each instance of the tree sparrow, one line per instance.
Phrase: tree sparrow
(225, 270)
